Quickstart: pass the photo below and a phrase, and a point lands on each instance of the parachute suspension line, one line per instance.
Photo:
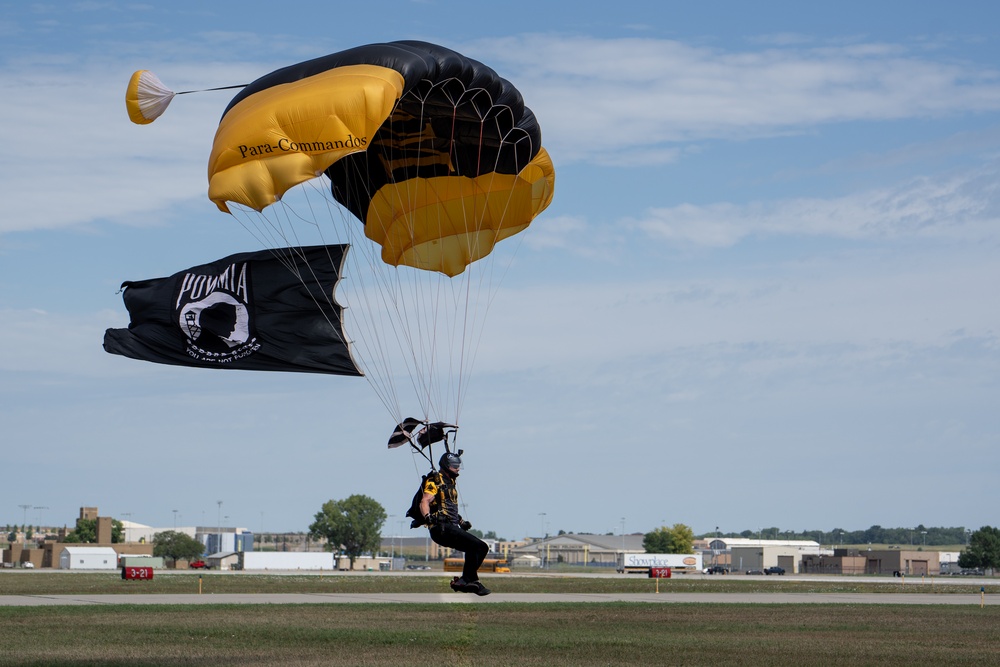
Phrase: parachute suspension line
(491, 278)
(383, 286)
(208, 90)
(280, 225)
(425, 314)
(430, 345)
(414, 286)
(473, 322)
(267, 227)
(458, 328)
(375, 358)
(461, 378)
(458, 373)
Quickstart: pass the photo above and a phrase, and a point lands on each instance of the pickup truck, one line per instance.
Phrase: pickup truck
(774, 570)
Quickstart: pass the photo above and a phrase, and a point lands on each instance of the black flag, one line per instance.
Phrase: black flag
(273, 310)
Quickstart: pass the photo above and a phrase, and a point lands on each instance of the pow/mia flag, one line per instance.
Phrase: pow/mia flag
(273, 310)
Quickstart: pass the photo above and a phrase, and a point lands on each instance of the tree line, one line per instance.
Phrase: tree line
(353, 526)
(918, 535)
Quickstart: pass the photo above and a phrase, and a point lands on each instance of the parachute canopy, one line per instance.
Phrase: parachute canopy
(434, 152)
(146, 98)
(406, 432)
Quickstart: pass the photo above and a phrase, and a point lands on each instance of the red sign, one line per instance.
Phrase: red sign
(659, 573)
(137, 573)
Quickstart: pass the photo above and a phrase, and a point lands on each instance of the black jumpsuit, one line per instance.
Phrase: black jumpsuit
(446, 529)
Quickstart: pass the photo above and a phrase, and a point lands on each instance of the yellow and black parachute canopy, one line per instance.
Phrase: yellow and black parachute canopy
(434, 152)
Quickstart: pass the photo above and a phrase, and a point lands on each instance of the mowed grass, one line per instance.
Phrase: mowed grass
(89, 583)
(501, 634)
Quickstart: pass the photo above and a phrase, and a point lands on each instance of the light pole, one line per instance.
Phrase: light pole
(542, 538)
(715, 551)
(623, 541)
(392, 540)
(401, 554)
(40, 515)
(24, 518)
(924, 533)
(219, 524)
(175, 518)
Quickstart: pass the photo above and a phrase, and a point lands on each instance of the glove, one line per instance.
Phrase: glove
(465, 525)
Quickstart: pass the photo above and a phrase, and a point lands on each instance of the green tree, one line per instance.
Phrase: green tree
(678, 539)
(86, 532)
(354, 524)
(176, 546)
(983, 550)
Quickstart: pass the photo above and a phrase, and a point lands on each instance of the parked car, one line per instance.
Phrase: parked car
(198, 565)
(755, 572)
(774, 570)
(717, 569)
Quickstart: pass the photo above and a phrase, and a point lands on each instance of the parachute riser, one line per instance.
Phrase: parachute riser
(422, 441)
(428, 451)
(426, 454)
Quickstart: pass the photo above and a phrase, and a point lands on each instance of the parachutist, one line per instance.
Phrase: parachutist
(439, 508)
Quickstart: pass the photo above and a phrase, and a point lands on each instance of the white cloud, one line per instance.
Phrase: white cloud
(598, 97)
(44, 344)
(72, 157)
(961, 206)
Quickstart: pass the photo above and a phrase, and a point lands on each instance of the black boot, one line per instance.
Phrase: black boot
(477, 588)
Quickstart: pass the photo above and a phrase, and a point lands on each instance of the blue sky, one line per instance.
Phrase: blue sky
(764, 295)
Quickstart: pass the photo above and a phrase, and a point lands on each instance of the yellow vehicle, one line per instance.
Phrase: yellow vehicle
(489, 565)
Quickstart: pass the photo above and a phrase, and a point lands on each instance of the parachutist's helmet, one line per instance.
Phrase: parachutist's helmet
(451, 462)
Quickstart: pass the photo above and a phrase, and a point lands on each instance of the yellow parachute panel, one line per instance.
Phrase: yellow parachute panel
(287, 134)
(444, 224)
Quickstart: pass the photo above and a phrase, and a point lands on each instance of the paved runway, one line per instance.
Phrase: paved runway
(452, 598)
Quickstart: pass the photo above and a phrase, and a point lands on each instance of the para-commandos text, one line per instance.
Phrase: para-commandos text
(288, 146)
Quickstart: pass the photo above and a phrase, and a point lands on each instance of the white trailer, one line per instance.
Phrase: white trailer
(642, 562)
(287, 560)
(88, 558)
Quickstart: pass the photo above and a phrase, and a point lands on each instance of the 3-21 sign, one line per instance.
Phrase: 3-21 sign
(142, 573)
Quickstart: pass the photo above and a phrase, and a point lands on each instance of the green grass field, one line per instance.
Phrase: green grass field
(61, 582)
(487, 634)
(501, 634)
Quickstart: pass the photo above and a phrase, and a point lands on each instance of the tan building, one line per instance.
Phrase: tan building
(581, 549)
(49, 554)
(902, 562)
(742, 554)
